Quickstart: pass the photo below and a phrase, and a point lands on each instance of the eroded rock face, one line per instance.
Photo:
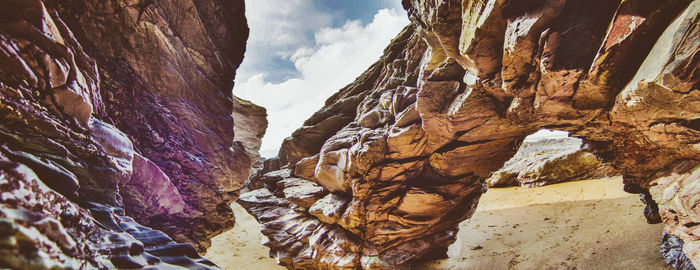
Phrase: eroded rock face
(373, 148)
(41, 229)
(672, 252)
(143, 129)
(251, 123)
(678, 196)
(548, 160)
(408, 144)
(166, 72)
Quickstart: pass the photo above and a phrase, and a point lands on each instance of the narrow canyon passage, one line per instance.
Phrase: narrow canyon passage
(590, 224)
(123, 144)
(242, 245)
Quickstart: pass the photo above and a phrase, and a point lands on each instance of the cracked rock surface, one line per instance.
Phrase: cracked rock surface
(543, 161)
(406, 147)
(166, 71)
(116, 135)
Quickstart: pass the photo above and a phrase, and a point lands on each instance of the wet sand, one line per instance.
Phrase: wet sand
(590, 224)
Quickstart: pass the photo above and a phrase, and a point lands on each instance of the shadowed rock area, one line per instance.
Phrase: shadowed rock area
(43, 230)
(166, 70)
(395, 160)
(116, 135)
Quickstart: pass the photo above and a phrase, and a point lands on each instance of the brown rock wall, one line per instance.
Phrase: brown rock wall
(409, 143)
(166, 70)
(143, 126)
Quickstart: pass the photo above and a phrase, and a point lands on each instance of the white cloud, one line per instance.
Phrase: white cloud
(277, 29)
(334, 59)
(282, 23)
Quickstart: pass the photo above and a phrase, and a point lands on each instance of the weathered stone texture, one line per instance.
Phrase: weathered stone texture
(672, 252)
(543, 161)
(409, 143)
(144, 128)
(678, 197)
(41, 229)
(165, 73)
(251, 123)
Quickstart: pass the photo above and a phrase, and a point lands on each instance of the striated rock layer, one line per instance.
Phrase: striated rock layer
(251, 124)
(166, 71)
(41, 229)
(543, 161)
(142, 130)
(395, 160)
(678, 196)
(672, 252)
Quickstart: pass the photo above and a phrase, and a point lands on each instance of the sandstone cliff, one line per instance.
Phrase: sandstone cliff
(381, 176)
(111, 110)
(251, 124)
(166, 71)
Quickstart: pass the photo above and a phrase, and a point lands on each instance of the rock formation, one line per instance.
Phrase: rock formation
(679, 206)
(122, 108)
(544, 160)
(111, 110)
(41, 229)
(251, 124)
(395, 160)
(672, 250)
(166, 71)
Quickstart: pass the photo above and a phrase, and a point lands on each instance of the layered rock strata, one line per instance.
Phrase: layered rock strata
(402, 152)
(166, 72)
(542, 161)
(142, 130)
(672, 252)
(251, 124)
(41, 229)
(678, 197)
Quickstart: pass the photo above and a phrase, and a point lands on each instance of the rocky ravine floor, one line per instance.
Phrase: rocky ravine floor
(589, 224)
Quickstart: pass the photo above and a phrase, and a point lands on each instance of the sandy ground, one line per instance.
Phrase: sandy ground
(241, 247)
(589, 224)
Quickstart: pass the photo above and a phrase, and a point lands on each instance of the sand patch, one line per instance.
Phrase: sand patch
(241, 247)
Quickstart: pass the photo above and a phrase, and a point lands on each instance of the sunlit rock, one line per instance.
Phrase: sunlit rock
(410, 142)
(548, 160)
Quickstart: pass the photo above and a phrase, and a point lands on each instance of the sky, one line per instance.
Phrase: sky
(300, 52)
